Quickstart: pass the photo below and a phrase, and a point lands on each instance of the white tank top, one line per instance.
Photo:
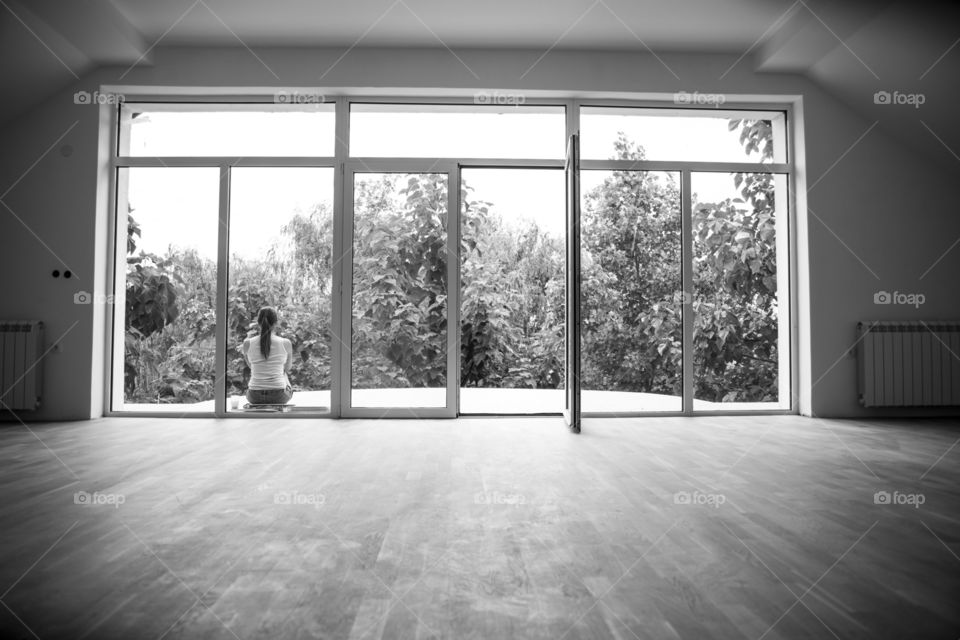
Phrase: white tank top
(267, 373)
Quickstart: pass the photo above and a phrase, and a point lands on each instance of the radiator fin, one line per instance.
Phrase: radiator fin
(21, 344)
(909, 364)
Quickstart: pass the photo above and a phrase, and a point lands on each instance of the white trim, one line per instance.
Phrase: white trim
(419, 165)
(134, 92)
(698, 167)
(337, 303)
(180, 98)
(222, 312)
(687, 316)
(219, 161)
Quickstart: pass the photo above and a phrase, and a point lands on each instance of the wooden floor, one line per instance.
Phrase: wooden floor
(734, 527)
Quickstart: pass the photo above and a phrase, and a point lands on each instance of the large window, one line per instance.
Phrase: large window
(631, 300)
(511, 290)
(456, 131)
(400, 290)
(167, 252)
(685, 135)
(416, 255)
(281, 255)
(740, 328)
(226, 130)
(684, 269)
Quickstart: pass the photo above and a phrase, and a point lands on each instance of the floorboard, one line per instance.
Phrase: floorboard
(712, 527)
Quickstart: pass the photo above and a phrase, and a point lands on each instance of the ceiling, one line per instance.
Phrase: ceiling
(852, 48)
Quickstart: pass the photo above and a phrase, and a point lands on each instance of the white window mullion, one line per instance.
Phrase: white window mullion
(221, 311)
(686, 257)
(339, 356)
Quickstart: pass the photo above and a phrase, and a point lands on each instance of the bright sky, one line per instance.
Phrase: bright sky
(180, 205)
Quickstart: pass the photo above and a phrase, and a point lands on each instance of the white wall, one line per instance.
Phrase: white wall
(890, 208)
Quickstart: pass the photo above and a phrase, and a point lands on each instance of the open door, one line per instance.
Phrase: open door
(571, 411)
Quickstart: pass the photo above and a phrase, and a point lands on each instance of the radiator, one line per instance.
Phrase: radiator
(21, 344)
(909, 364)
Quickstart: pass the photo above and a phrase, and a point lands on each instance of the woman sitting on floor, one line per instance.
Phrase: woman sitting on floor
(270, 360)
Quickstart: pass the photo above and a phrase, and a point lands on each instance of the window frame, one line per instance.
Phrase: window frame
(342, 100)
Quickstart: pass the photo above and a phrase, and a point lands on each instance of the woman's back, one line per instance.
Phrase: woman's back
(267, 373)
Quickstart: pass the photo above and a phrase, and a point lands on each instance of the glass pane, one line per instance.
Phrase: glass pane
(740, 334)
(226, 130)
(511, 290)
(170, 290)
(692, 135)
(456, 131)
(281, 247)
(631, 292)
(399, 344)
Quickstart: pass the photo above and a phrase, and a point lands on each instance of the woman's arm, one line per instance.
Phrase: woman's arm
(243, 351)
(288, 347)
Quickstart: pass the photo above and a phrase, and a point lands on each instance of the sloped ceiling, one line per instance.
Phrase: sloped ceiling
(852, 48)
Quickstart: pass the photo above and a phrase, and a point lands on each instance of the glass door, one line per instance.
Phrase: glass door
(571, 410)
(512, 266)
(400, 293)
(281, 256)
(632, 300)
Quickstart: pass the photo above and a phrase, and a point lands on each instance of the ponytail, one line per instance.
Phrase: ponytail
(267, 318)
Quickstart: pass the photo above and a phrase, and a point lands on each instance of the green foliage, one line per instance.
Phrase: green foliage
(512, 293)
(511, 301)
(631, 281)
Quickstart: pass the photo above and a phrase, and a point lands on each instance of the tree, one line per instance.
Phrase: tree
(512, 284)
